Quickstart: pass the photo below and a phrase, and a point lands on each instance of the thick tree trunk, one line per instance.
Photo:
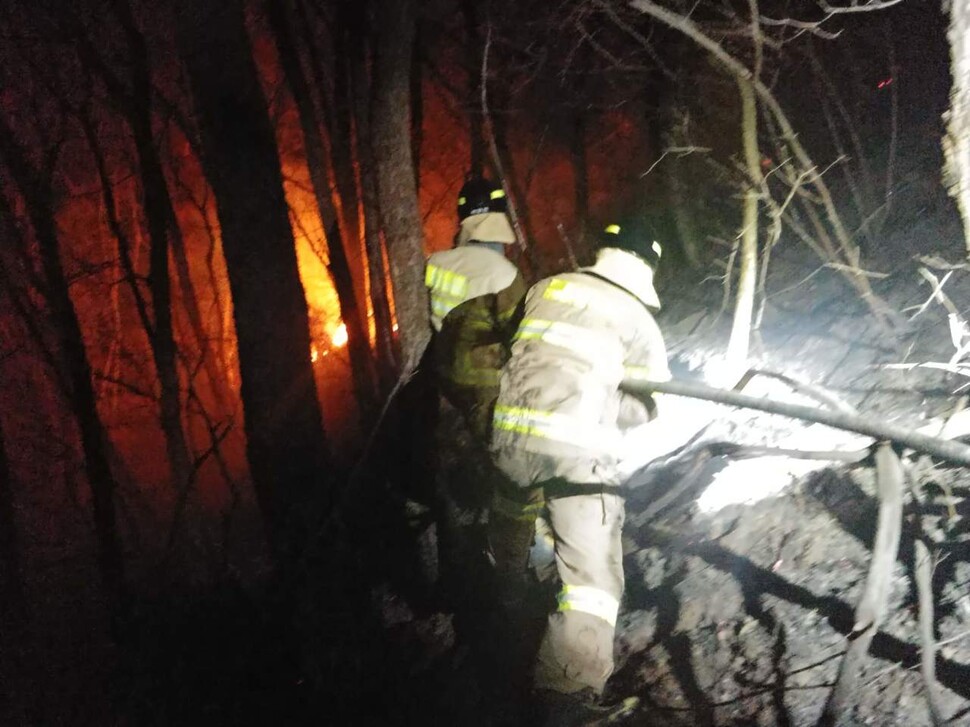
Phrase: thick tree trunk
(361, 363)
(38, 198)
(417, 106)
(398, 197)
(737, 353)
(956, 143)
(286, 446)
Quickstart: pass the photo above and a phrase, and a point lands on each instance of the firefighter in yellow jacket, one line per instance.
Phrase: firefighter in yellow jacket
(558, 427)
(475, 294)
(474, 291)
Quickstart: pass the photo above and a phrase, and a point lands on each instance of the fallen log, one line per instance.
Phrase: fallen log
(923, 566)
(872, 607)
(949, 451)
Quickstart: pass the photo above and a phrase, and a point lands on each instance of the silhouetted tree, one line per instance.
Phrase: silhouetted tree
(34, 183)
(11, 576)
(395, 179)
(361, 361)
(286, 446)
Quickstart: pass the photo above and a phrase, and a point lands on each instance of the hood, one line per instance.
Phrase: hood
(629, 272)
(486, 227)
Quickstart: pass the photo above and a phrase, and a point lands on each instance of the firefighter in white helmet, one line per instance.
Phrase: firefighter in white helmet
(474, 291)
(475, 294)
(558, 428)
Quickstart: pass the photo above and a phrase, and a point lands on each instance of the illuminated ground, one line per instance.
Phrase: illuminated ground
(741, 593)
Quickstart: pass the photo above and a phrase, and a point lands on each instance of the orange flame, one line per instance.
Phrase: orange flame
(338, 338)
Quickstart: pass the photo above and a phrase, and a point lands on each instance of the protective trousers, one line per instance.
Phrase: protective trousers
(511, 526)
(577, 649)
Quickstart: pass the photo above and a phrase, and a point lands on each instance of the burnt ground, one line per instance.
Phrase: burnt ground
(739, 597)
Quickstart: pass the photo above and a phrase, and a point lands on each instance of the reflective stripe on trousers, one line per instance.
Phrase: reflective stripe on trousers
(577, 649)
(587, 599)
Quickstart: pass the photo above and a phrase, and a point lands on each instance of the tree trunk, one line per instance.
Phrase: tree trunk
(361, 363)
(737, 353)
(397, 194)
(417, 106)
(473, 67)
(135, 105)
(580, 175)
(377, 268)
(679, 192)
(286, 446)
(956, 143)
(157, 205)
(38, 198)
(11, 573)
(190, 301)
(162, 336)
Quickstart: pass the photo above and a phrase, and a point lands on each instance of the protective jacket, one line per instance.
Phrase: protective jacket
(474, 294)
(561, 411)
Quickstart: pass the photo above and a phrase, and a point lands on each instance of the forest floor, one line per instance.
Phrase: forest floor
(739, 593)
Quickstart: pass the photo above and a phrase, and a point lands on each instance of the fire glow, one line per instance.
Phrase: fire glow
(338, 338)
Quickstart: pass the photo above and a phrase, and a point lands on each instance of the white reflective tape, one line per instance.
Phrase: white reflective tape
(564, 335)
(553, 426)
(563, 291)
(448, 290)
(589, 600)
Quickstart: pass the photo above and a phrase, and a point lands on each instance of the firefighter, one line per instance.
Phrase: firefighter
(558, 428)
(475, 294)
(474, 291)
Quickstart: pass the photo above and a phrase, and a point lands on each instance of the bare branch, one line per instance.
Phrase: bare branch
(856, 7)
(680, 151)
(801, 25)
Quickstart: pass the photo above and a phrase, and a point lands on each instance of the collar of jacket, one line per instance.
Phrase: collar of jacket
(486, 227)
(628, 272)
(498, 247)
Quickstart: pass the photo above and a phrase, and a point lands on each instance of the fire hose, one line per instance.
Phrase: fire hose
(944, 449)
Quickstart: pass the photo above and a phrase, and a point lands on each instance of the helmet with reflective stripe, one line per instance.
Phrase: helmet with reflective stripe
(479, 195)
(633, 237)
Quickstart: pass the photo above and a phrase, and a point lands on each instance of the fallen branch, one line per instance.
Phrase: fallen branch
(923, 564)
(954, 452)
(958, 369)
(872, 607)
(937, 289)
(855, 7)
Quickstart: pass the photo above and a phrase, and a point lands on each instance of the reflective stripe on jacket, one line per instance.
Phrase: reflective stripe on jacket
(560, 412)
